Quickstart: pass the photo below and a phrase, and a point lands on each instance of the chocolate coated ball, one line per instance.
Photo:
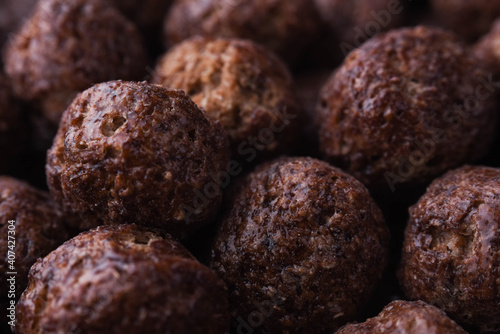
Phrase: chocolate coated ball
(129, 152)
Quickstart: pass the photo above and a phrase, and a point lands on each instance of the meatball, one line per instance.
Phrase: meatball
(122, 279)
(404, 108)
(131, 152)
(469, 19)
(242, 85)
(355, 21)
(12, 131)
(451, 255)
(301, 249)
(285, 27)
(65, 47)
(12, 13)
(32, 226)
(406, 317)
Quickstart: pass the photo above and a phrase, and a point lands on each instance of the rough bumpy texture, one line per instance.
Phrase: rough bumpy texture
(451, 255)
(404, 317)
(12, 14)
(12, 129)
(122, 279)
(346, 19)
(39, 228)
(242, 85)
(301, 249)
(283, 26)
(469, 19)
(404, 108)
(131, 152)
(68, 45)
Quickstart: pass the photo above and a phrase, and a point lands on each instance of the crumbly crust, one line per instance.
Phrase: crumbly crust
(122, 279)
(65, 47)
(129, 152)
(404, 107)
(239, 83)
(451, 255)
(303, 240)
(404, 317)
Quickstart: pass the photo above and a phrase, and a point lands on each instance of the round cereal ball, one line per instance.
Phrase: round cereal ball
(451, 254)
(469, 19)
(301, 249)
(68, 45)
(12, 13)
(406, 317)
(32, 225)
(122, 279)
(285, 27)
(130, 152)
(12, 129)
(242, 85)
(405, 107)
(353, 22)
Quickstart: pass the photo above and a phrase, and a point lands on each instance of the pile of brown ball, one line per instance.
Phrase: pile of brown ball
(266, 166)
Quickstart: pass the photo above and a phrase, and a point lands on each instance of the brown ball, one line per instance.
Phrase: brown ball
(406, 107)
(406, 317)
(38, 227)
(242, 85)
(301, 249)
(469, 19)
(12, 128)
(68, 45)
(122, 279)
(131, 152)
(285, 27)
(451, 255)
(355, 21)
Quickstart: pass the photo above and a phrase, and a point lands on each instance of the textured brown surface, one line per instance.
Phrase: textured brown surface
(68, 45)
(404, 317)
(283, 26)
(469, 19)
(303, 245)
(122, 279)
(239, 83)
(344, 18)
(12, 14)
(39, 228)
(131, 152)
(12, 130)
(451, 255)
(399, 108)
